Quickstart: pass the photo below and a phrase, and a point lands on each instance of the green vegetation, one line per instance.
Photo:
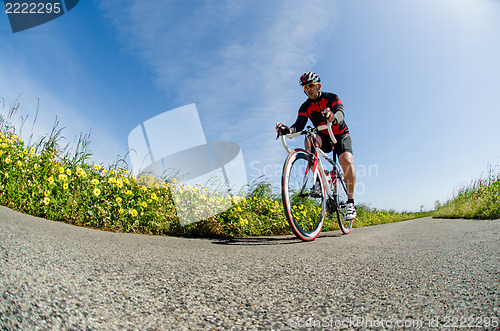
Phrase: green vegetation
(479, 200)
(45, 180)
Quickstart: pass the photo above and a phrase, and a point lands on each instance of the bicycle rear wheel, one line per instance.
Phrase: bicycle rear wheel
(303, 195)
(340, 199)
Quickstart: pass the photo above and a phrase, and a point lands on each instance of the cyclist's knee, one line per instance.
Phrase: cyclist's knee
(307, 143)
(346, 158)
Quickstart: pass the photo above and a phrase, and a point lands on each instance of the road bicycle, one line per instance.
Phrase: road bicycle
(309, 191)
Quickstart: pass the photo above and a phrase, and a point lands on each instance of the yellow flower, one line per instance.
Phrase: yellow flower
(128, 192)
(46, 200)
(46, 192)
(120, 211)
(80, 172)
(61, 170)
(6, 175)
(32, 151)
(7, 160)
(25, 151)
(118, 199)
(97, 192)
(63, 177)
(95, 181)
(154, 197)
(144, 204)
(111, 172)
(97, 167)
(19, 163)
(51, 179)
(119, 183)
(112, 180)
(133, 212)
(65, 186)
(68, 172)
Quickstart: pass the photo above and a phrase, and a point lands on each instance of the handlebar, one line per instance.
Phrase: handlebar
(308, 131)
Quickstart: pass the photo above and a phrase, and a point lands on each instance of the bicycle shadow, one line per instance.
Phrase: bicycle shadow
(282, 240)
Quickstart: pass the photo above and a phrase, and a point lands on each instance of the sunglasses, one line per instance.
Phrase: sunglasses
(309, 86)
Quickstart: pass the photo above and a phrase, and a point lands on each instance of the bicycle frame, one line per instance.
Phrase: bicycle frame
(318, 166)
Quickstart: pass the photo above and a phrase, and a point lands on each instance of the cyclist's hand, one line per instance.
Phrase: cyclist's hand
(282, 129)
(329, 116)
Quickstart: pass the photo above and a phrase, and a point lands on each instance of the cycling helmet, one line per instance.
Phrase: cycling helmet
(309, 77)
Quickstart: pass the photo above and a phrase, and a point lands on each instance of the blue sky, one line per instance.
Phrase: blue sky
(419, 80)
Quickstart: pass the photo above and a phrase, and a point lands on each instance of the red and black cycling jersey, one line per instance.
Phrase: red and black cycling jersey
(312, 109)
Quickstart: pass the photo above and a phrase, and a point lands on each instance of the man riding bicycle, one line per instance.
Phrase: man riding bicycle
(318, 106)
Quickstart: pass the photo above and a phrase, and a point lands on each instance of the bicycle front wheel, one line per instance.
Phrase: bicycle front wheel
(340, 198)
(303, 195)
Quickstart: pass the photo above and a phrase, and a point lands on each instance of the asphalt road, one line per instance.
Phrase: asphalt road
(419, 274)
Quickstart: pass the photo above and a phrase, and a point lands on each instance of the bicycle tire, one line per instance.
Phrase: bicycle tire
(340, 199)
(304, 207)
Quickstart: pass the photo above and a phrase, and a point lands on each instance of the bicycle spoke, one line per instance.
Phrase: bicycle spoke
(304, 183)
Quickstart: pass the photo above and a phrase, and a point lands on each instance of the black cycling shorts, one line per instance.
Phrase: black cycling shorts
(343, 143)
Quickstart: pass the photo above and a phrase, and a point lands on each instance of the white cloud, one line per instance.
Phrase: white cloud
(238, 61)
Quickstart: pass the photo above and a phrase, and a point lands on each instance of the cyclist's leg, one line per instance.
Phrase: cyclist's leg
(346, 159)
(308, 143)
(343, 199)
(325, 143)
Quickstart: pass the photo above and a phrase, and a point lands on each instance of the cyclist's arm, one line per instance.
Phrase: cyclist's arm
(337, 108)
(299, 124)
(338, 113)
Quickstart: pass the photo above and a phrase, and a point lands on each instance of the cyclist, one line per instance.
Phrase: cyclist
(318, 106)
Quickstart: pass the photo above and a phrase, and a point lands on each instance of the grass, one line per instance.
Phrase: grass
(47, 180)
(478, 200)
